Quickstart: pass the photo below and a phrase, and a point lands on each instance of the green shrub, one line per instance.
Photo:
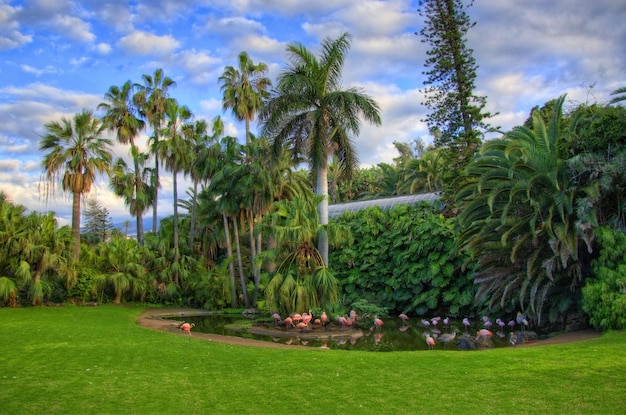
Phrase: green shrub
(604, 295)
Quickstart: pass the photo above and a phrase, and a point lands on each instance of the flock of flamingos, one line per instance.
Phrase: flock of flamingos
(306, 321)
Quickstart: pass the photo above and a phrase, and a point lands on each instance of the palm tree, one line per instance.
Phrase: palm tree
(621, 95)
(121, 116)
(202, 144)
(312, 115)
(176, 153)
(152, 100)
(122, 262)
(76, 153)
(520, 219)
(244, 89)
(302, 281)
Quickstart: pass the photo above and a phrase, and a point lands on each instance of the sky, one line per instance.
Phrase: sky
(58, 57)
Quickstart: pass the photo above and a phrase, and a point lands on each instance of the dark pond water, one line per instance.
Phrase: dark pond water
(394, 335)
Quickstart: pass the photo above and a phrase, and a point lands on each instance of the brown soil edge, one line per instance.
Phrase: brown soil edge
(155, 319)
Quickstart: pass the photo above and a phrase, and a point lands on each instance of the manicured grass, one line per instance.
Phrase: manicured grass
(72, 360)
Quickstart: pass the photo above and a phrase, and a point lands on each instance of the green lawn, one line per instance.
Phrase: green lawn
(97, 360)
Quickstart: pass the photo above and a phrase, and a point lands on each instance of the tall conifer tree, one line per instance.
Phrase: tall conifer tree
(456, 114)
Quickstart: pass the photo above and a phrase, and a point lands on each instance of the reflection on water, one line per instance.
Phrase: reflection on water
(394, 335)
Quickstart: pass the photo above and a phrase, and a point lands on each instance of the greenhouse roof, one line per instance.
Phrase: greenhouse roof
(340, 208)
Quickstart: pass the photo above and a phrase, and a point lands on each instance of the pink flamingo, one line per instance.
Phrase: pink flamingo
(404, 318)
(276, 318)
(446, 321)
(378, 322)
(289, 322)
(296, 317)
(186, 327)
(324, 318)
(342, 320)
(430, 342)
(302, 325)
(483, 333)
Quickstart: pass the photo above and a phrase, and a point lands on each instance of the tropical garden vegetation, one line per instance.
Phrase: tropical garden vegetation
(532, 220)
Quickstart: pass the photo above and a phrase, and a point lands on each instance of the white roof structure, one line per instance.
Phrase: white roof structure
(340, 208)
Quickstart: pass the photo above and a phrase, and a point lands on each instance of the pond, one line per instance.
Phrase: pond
(394, 335)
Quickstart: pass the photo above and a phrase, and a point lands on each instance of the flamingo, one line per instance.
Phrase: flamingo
(430, 342)
(324, 318)
(404, 318)
(378, 337)
(511, 324)
(447, 338)
(302, 325)
(276, 318)
(446, 321)
(289, 322)
(426, 323)
(187, 327)
(296, 317)
(483, 333)
(353, 315)
(342, 320)
(306, 317)
(378, 322)
(513, 338)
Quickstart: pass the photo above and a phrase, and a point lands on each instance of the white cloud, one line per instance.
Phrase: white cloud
(143, 43)
(10, 36)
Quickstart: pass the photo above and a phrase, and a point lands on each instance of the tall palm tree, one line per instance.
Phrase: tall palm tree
(175, 151)
(152, 99)
(244, 89)
(76, 154)
(121, 116)
(199, 171)
(310, 113)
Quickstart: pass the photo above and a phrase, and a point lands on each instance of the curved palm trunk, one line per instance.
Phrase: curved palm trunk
(231, 265)
(322, 189)
(76, 224)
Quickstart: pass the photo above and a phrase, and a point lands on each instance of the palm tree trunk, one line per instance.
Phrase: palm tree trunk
(322, 189)
(242, 279)
(194, 203)
(138, 191)
(176, 250)
(76, 224)
(253, 248)
(156, 183)
(231, 265)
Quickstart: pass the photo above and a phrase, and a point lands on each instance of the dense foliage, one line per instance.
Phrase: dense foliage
(403, 259)
(604, 295)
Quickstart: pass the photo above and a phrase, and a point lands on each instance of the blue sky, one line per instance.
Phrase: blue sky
(58, 57)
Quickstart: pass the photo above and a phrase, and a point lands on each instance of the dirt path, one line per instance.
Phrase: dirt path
(154, 319)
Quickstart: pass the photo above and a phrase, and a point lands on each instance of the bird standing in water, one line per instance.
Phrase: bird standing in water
(187, 327)
(447, 338)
